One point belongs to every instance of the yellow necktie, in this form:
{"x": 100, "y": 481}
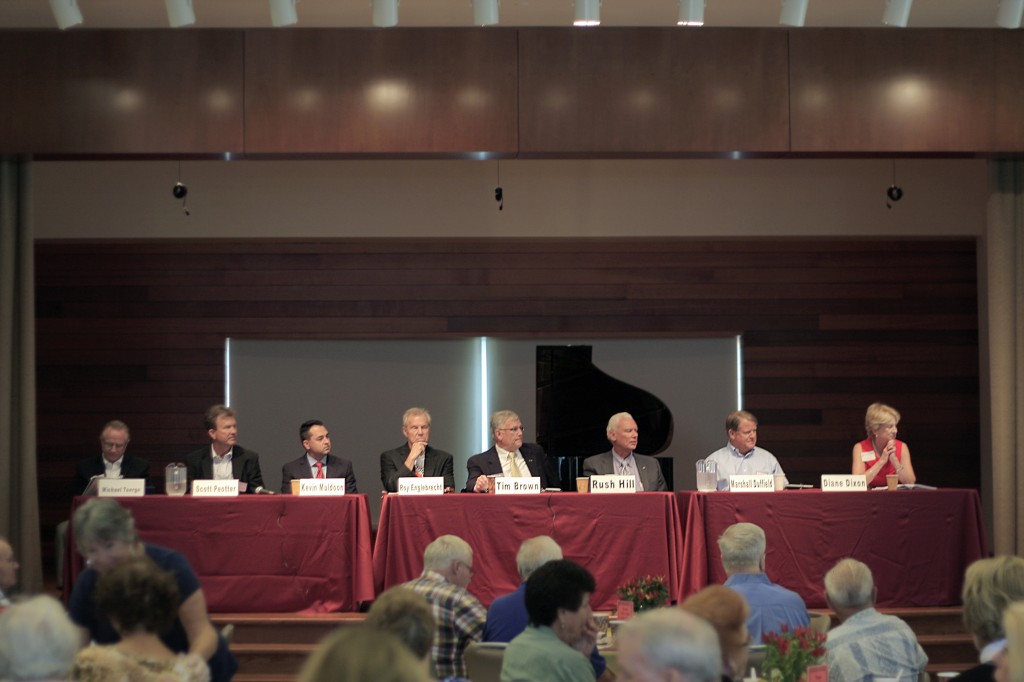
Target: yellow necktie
{"x": 513, "y": 468}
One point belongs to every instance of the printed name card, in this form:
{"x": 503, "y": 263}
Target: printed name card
{"x": 624, "y": 609}
{"x": 834, "y": 482}
{"x": 121, "y": 487}
{"x": 211, "y": 488}
{"x": 752, "y": 483}
{"x": 428, "y": 485}
{"x": 612, "y": 483}
{"x": 817, "y": 673}
{"x": 322, "y": 487}
{"x": 508, "y": 485}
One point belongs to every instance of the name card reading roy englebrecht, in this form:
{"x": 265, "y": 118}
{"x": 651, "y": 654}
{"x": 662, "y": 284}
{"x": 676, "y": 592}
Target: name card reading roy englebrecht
{"x": 509, "y": 485}
{"x": 121, "y": 487}
{"x": 428, "y": 485}
{"x": 837, "y": 482}
{"x": 752, "y": 483}
{"x": 612, "y": 483}
{"x": 213, "y": 488}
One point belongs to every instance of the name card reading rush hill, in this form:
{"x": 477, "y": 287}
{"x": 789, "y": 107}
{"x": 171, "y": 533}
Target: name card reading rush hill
{"x": 121, "y": 487}
{"x": 752, "y": 483}
{"x": 508, "y": 485}
{"x": 428, "y": 485}
{"x": 612, "y": 483}
{"x": 322, "y": 487}
{"x": 834, "y": 482}
{"x": 211, "y": 488}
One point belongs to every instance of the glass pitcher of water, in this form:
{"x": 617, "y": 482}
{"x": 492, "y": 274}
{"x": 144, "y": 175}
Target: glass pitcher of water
{"x": 175, "y": 480}
{"x": 707, "y": 476}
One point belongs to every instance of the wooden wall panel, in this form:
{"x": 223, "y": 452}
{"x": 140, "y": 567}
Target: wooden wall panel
{"x": 121, "y": 92}
{"x": 828, "y": 327}
{"x": 403, "y": 91}
{"x": 652, "y": 91}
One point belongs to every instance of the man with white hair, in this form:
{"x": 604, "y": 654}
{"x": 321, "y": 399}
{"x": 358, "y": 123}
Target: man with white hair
{"x": 38, "y": 641}
{"x": 447, "y": 570}
{"x": 623, "y": 433}
{"x": 9, "y": 572}
{"x": 743, "y": 547}
{"x": 668, "y": 645}
{"x": 867, "y": 644}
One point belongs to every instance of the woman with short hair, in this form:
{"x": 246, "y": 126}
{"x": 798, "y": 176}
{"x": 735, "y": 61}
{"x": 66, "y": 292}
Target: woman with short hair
{"x": 880, "y": 454}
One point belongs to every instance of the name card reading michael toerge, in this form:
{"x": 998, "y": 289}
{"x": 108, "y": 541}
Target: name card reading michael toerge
{"x": 612, "y": 483}
{"x": 321, "y": 487}
{"x": 120, "y": 487}
{"x": 212, "y": 488}
{"x": 752, "y": 483}
{"x": 428, "y": 485}
{"x": 836, "y": 482}
{"x": 509, "y": 485}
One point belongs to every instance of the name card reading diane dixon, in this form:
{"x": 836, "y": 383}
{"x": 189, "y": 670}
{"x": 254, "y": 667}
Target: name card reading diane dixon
{"x": 612, "y": 483}
{"x": 836, "y": 482}
{"x": 752, "y": 483}
{"x": 121, "y": 487}
{"x": 508, "y": 485}
{"x": 212, "y": 488}
{"x": 428, "y": 485}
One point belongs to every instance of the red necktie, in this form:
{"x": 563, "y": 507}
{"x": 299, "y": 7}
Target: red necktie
{"x": 319, "y": 470}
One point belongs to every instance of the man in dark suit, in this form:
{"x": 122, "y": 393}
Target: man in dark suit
{"x": 318, "y": 462}
{"x": 416, "y": 457}
{"x": 113, "y": 460}
{"x": 509, "y": 456}
{"x": 622, "y": 433}
{"x": 225, "y": 459}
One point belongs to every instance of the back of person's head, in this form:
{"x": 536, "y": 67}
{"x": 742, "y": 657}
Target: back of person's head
{"x": 138, "y": 596}
{"x": 673, "y": 640}
{"x": 440, "y": 553}
{"x": 742, "y": 545}
{"x": 536, "y": 552}
{"x": 850, "y": 585}
{"x": 990, "y": 585}
{"x": 360, "y": 653}
{"x": 1013, "y": 625}
{"x": 37, "y": 640}
{"x": 407, "y": 615}
{"x": 102, "y": 519}
{"x": 726, "y": 610}
{"x": 558, "y": 584}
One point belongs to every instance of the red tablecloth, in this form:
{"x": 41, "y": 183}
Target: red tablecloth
{"x": 616, "y": 537}
{"x": 274, "y": 554}
{"x": 917, "y": 542}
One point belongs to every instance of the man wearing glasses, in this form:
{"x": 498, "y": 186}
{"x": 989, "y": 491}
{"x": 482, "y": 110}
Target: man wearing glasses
{"x": 113, "y": 461}
{"x": 509, "y": 456}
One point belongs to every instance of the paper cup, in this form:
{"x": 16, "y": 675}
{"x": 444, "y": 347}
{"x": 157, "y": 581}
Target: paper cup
{"x": 295, "y": 486}
{"x": 780, "y": 481}
{"x": 583, "y": 484}
{"x": 891, "y": 481}
{"x": 490, "y": 482}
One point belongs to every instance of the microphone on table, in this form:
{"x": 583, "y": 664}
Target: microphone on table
{"x": 260, "y": 490}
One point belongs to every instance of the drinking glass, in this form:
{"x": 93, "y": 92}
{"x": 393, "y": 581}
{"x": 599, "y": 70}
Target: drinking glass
{"x": 707, "y": 476}
{"x": 175, "y": 480}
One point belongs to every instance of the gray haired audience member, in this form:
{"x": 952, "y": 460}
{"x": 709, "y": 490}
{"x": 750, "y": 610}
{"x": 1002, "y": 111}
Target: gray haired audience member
{"x": 668, "y": 645}
{"x": 8, "y": 572}
{"x": 990, "y": 585}
{"x": 406, "y": 615}
{"x": 37, "y": 641}
{"x": 867, "y": 644}
{"x": 506, "y": 616}
{"x": 1010, "y": 662}
{"x": 362, "y": 654}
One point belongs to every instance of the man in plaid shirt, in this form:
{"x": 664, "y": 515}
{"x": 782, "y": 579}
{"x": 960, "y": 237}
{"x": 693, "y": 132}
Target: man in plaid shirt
{"x": 447, "y": 570}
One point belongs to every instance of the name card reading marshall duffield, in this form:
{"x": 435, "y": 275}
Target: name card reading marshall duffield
{"x": 836, "y": 482}
{"x": 612, "y": 483}
{"x": 752, "y": 483}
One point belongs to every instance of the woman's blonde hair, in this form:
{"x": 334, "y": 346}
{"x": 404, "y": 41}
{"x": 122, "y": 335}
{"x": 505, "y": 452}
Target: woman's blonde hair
{"x": 878, "y": 415}
{"x": 360, "y": 653}
{"x": 990, "y": 585}
{"x": 727, "y": 612}
{"x": 1013, "y": 624}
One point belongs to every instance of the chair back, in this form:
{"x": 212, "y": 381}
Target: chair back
{"x": 820, "y": 622}
{"x": 483, "y": 661}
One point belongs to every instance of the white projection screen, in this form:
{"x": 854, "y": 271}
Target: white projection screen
{"x": 360, "y": 389}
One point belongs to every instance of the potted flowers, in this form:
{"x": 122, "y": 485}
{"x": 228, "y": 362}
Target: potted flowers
{"x": 645, "y": 591}
{"x": 789, "y": 653}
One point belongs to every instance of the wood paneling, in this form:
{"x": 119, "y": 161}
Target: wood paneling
{"x": 121, "y": 92}
{"x": 652, "y": 91}
{"x": 404, "y": 91}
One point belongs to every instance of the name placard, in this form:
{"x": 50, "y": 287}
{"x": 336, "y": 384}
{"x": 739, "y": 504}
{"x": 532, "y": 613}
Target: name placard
{"x": 612, "y": 483}
{"x": 212, "y": 488}
{"x": 834, "y": 482}
{"x": 508, "y": 485}
{"x": 322, "y": 487}
{"x": 752, "y": 483}
{"x": 120, "y": 487}
{"x": 428, "y": 485}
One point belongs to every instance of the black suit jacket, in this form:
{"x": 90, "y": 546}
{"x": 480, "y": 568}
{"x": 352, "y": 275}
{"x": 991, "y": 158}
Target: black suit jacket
{"x": 487, "y": 463}
{"x": 131, "y": 467}
{"x": 435, "y": 463}
{"x": 337, "y": 467}
{"x": 648, "y": 468}
{"x": 245, "y": 466}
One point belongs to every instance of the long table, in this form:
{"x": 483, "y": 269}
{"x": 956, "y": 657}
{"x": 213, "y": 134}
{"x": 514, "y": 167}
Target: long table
{"x": 257, "y": 553}
{"x": 917, "y": 542}
{"x": 617, "y": 537}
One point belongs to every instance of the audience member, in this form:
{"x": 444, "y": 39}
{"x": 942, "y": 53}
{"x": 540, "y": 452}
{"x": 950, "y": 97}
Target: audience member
{"x": 561, "y": 634}
{"x": 318, "y": 462}
{"x": 727, "y": 612}
{"x": 1010, "y": 662}
{"x": 113, "y": 460}
{"x": 447, "y": 570}
{"x": 509, "y": 456}
{"x": 106, "y": 537}
{"x": 622, "y": 432}
{"x": 867, "y": 644}
{"x": 8, "y": 572}
{"x": 880, "y": 454}
{"x": 416, "y": 457}
{"x": 38, "y": 641}
{"x": 668, "y": 645}
{"x": 224, "y": 459}
{"x": 408, "y": 616}
{"x": 362, "y": 654}
{"x": 744, "y": 548}
{"x": 990, "y": 585}
{"x": 140, "y": 602}
{"x": 741, "y": 455}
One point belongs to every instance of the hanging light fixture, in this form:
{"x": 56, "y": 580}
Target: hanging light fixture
{"x": 180, "y": 13}
{"x": 66, "y": 13}
{"x": 897, "y": 13}
{"x": 794, "y": 12}
{"x": 1010, "y": 13}
{"x": 691, "y": 13}
{"x": 485, "y": 12}
{"x": 588, "y": 12}
{"x": 385, "y": 13}
{"x": 282, "y": 13}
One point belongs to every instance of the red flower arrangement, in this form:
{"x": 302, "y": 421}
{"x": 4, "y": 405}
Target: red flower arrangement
{"x": 645, "y": 592}
{"x": 788, "y": 653}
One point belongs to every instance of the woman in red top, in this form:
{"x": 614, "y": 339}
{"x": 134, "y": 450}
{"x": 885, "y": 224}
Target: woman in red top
{"x": 880, "y": 453}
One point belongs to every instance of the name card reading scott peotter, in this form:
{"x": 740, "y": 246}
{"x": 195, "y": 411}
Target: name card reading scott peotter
{"x": 212, "y": 488}
{"x": 752, "y": 483}
{"x": 508, "y": 485}
{"x": 834, "y": 482}
{"x": 612, "y": 483}
{"x": 120, "y": 487}
{"x": 428, "y": 485}
{"x": 322, "y": 487}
